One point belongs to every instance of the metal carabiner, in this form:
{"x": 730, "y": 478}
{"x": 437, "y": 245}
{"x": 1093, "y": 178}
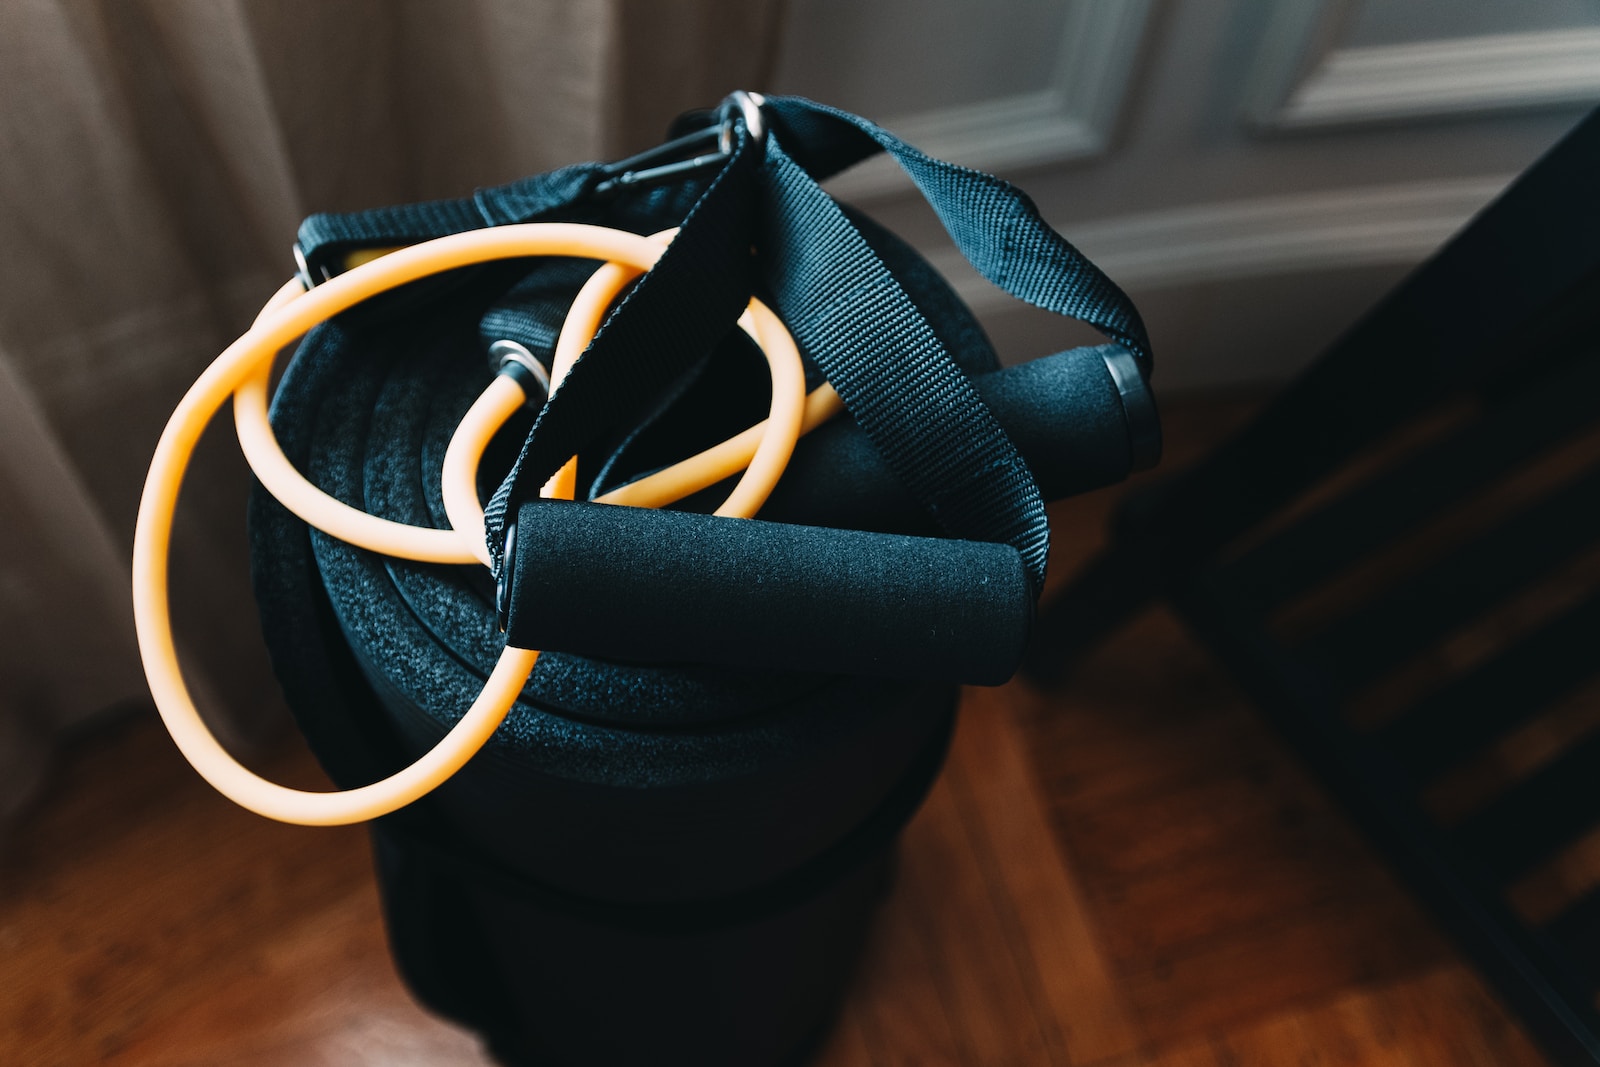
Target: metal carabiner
{"x": 637, "y": 170}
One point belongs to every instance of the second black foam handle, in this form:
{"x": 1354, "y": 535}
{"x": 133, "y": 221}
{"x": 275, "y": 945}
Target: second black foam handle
{"x": 638, "y": 584}
{"x": 1082, "y": 419}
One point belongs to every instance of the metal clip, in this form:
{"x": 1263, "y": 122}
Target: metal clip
{"x": 513, "y": 359}
{"x": 302, "y": 270}
{"x": 502, "y": 581}
{"x": 646, "y": 169}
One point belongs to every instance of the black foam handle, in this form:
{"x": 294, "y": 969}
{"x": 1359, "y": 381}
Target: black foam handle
{"x": 1082, "y": 419}
{"x": 639, "y": 584}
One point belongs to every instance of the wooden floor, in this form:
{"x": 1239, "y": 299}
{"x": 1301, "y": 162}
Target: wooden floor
{"x": 1131, "y": 870}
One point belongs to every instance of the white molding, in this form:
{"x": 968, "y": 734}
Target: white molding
{"x": 1287, "y": 50}
{"x": 1370, "y": 226}
{"x": 1303, "y": 79}
{"x": 1471, "y": 74}
{"x": 1070, "y": 118}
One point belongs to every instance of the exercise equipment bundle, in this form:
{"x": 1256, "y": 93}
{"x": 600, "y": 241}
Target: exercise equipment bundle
{"x": 664, "y": 843}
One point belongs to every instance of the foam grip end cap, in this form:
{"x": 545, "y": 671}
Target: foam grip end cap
{"x": 668, "y": 586}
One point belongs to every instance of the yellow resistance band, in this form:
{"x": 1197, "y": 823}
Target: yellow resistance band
{"x": 464, "y": 541}
{"x": 286, "y": 318}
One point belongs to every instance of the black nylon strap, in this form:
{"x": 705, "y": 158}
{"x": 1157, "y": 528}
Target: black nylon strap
{"x": 996, "y": 226}
{"x": 324, "y": 239}
{"x": 673, "y": 316}
{"x": 894, "y": 375}
{"x": 843, "y": 306}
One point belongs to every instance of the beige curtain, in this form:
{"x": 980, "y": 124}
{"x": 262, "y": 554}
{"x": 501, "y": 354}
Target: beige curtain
{"x": 155, "y": 159}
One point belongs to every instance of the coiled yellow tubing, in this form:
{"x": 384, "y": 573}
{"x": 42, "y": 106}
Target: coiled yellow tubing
{"x": 244, "y": 370}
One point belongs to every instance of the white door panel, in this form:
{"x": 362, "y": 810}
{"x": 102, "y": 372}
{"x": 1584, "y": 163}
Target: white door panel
{"x": 1239, "y": 166}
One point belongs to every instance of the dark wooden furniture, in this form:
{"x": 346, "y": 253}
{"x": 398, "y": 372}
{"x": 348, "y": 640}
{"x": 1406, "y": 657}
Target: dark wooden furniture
{"x": 1399, "y": 559}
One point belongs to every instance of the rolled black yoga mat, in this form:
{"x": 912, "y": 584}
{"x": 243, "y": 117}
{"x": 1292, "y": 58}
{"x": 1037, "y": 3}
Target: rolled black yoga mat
{"x": 650, "y": 862}
{"x": 679, "y": 869}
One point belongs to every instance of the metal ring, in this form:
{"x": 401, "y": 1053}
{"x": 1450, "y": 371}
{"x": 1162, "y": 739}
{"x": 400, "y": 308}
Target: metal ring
{"x": 506, "y": 351}
{"x": 749, "y": 107}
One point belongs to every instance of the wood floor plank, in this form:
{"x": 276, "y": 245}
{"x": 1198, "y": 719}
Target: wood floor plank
{"x": 1363, "y": 1023}
{"x": 976, "y": 967}
{"x": 1224, "y": 883}
{"x": 1356, "y": 1030}
{"x": 1462, "y": 1022}
{"x": 1258, "y": 970}
{"x": 1194, "y": 1054}
{"x": 1267, "y": 808}
{"x": 123, "y": 906}
{"x": 1050, "y": 929}
{"x": 1324, "y": 1037}
{"x": 1205, "y": 895}
{"x": 324, "y": 995}
{"x": 897, "y": 995}
{"x": 1441, "y": 1018}
{"x": 850, "y": 1043}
